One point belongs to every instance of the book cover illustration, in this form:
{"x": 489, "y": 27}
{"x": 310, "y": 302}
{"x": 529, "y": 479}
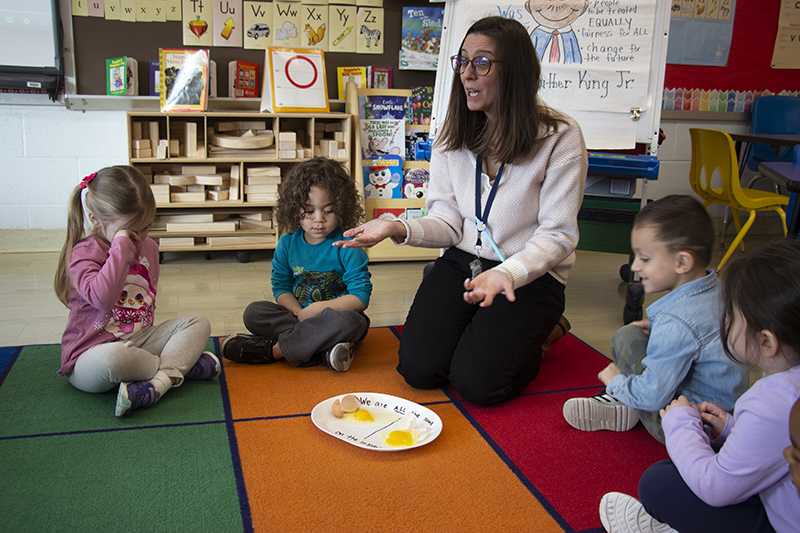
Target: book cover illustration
{"x": 422, "y": 37}
{"x": 184, "y": 78}
{"x": 154, "y": 77}
{"x": 122, "y": 74}
{"x": 418, "y": 145}
{"x": 243, "y": 79}
{"x": 380, "y": 77}
{"x": 415, "y": 183}
{"x": 382, "y": 137}
{"x": 383, "y": 176}
{"x": 421, "y": 105}
{"x": 388, "y": 214}
{"x": 378, "y": 106}
{"x": 358, "y": 75}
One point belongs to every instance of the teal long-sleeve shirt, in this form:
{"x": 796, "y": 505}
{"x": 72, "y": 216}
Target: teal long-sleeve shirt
{"x": 319, "y": 272}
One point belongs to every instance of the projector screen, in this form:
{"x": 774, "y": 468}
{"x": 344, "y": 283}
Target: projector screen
{"x": 30, "y": 47}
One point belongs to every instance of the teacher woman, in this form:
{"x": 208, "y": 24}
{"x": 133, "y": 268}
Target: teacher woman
{"x": 506, "y": 181}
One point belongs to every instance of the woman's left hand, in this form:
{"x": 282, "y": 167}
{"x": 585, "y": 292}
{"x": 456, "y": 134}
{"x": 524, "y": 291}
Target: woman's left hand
{"x": 486, "y": 286}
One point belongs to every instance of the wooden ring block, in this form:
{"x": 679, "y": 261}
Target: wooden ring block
{"x": 261, "y": 140}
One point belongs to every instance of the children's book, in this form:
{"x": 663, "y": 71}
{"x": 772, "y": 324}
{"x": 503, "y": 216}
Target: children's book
{"x": 417, "y": 143}
{"x": 383, "y": 176}
{"x": 389, "y": 214}
{"x": 154, "y": 77}
{"x": 122, "y": 76}
{"x": 422, "y": 38}
{"x": 379, "y": 77}
{"x": 243, "y": 79}
{"x": 354, "y": 74}
{"x": 377, "y": 106}
{"x": 421, "y": 105}
{"x": 415, "y": 183}
{"x": 382, "y": 137}
{"x": 212, "y": 78}
{"x": 184, "y": 79}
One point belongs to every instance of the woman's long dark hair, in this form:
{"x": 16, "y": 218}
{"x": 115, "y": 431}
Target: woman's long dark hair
{"x": 517, "y": 114}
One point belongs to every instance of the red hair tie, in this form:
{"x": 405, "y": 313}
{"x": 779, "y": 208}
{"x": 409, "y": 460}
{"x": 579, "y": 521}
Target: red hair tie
{"x": 85, "y": 181}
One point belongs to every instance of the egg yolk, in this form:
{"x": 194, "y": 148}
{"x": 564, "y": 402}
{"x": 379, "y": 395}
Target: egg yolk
{"x": 399, "y": 438}
{"x": 363, "y": 415}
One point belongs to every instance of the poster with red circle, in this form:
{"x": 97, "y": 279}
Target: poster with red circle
{"x": 294, "y": 81}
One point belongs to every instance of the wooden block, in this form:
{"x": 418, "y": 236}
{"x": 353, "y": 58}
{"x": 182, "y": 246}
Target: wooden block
{"x": 319, "y": 126}
{"x": 190, "y": 138}
{"x": 138, "y": 144}
{"x": 214, "y": 180}
{"x": 195, "y": 188}
{"x": 200, "y": 153}
{"x": 263, "y": 180}
{"x": 187, "y": 197}
{"x": 218, "y": 195}
{"x": 160, "y": 189}
{"x": 338, "y": 136}
{"x": 198, "y": 169}
{"x": 161, "y": 150}
{"x": 255, "y": 224}
{"x": 174, "y": 148}
{"x": 136, "y": 130}
{"x": 287, "y": 136}
{"x": 189, "y": 219}
{"x": 307, "y": 153}
{"x": 207, "y": 227}
{"x": 234, "y": 189}
{"x": 261, "y": 198}
{"x": 341, "y": 153}
{"x": 242, "y": 125}
{"x": 261, "y": 216}
{"x": 153, "y": 135}
{"x": 263, "y": 171}
{"x": 287, "y": 154}
{"x": 317, "y": 151}
{"x": 176, "y": 241}
{"x": 248, "y": 189}
{"x": 162, "y": 198}
{"x": 287, "y": 145}
{"x": 241, "y": 241}
{"x": 178, "y": 180}
{"x": 146, "y": 170}
{"x": 333, "y": 126}
{"x": 141, "y": 154}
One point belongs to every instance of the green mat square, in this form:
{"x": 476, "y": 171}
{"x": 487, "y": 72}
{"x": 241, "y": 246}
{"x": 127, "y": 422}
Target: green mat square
{"x": 34, "y": 400}
{"x": 156, "y": 479}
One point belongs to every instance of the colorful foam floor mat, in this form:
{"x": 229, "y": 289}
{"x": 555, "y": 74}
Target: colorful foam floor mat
{"x": 240, "y": 453}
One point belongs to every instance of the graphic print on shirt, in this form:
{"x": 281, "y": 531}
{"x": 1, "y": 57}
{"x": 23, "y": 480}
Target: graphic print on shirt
{"x": 133, "y": 312}
{"x": 317, "y": 286}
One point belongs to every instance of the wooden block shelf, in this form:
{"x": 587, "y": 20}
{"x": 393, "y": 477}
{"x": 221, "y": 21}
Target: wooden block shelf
{"x": 182, "y": 146}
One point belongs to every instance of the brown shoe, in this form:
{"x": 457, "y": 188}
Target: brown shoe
{"x": 561, "y": 328}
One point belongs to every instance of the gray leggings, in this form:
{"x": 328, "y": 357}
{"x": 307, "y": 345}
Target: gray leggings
{"x": 628, "y": 348}
{"x": 172, "y": 347}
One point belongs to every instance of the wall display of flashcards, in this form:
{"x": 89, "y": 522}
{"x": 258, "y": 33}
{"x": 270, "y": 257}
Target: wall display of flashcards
{"x": 294, "y": 81}
{"x": 198, "y": 22}
{"x": 342, "y": 20}
{"x": 127, "y": 10}
{"x": 144, "y": 10}
{"x": 370, "y": 30}
{"x": 258, "y": 28}
{"x": 174, "y": 12}
{"x": 286, "y": 19}
{"x": 111, "y": 9}
{"x": 95, "y": 9}
{"x": 315, "y": 26}
{"x": 227, "y": 20}
{"x": 159, "y": 11}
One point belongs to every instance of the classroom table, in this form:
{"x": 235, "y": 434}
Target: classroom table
{"x": 787, "y": 175}
{"x": 772, "y": 139}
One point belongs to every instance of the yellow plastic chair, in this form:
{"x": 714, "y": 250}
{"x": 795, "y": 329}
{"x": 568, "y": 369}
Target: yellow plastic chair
{"x": 713, "y": 151}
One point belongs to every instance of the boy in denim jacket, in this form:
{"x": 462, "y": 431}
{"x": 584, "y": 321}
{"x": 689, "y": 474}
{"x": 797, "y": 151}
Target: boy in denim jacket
{"x": 677, "y": 351}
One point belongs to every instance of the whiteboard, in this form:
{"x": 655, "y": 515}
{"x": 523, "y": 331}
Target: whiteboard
{"x": 613, "y": 86}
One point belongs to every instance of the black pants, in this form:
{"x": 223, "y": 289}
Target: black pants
{"x": 489, "y": 354}
{"x": 667, "y": 498}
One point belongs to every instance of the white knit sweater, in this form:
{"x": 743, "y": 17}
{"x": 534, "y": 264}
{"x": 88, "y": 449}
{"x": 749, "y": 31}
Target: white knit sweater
{"x": 534, "y": 217}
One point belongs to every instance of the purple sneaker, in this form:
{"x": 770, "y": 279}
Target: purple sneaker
{"x": 135, "y": 395}
{"x": 207, "y": 367}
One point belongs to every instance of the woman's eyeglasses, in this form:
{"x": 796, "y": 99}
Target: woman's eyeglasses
{"x": 480, "y": 65}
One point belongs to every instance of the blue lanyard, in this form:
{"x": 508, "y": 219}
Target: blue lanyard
{"x": 480, "y": 221}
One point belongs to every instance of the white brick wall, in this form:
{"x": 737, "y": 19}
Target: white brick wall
{"x": 44, "y": 152}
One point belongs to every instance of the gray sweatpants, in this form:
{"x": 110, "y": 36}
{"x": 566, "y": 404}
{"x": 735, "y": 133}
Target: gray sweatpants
{"x": 302, "y": 342}
{"x": 173, "y": 347}
{"x": 628, "y": 348}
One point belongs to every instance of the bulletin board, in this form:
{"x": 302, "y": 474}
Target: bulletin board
{"x": 608, "y": 73}
{"x": 97, "y": 39}
{"x": 754, "y": 27}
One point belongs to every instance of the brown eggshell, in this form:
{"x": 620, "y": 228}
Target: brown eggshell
{"x": 350, "y": 403}
{"x": 337, "y": 409}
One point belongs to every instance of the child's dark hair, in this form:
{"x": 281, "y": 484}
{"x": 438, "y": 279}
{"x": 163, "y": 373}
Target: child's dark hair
{"x": 327, "y": 175}
{"x": 113, "y": 193}
{"x": 681, "y": 223}
{"x": 764, "y": 287}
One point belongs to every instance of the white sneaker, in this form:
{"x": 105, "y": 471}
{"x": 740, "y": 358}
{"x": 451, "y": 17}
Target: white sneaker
{"x": 621, "y": 513}
{"x": 599, "y": 412}
{"x": 339, "y": 357}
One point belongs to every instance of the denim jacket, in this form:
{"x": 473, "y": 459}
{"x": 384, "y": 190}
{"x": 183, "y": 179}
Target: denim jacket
{"x": 684, "y": 353}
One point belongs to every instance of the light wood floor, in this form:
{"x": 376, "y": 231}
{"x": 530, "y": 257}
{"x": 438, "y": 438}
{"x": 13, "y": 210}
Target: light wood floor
{"x": 220, "y": 288}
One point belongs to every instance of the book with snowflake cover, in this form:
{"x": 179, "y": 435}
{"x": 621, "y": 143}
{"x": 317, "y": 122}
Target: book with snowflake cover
{"x": 378, "y": 106}
{"x": 183, "y": 75}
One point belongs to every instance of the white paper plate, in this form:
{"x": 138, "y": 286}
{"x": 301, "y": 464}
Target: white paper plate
{"x": 387, "y": 412}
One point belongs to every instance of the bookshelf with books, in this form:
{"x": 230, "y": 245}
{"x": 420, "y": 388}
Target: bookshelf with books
{"x": 215, "y": 175}
{"x": 377, "y": 205}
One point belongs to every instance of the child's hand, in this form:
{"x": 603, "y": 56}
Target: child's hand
{"x": 680, "y": 401}
{"x": 644, "y": 324}
{"x": 132, "y": 235}
{"x": 713, "y": 417}
{"x": 609, "y": 373}
{"x": 311, "y": 311}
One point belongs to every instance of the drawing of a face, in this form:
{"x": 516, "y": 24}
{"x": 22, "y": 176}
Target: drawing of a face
{"x": 133, "y": 312}
{"x": 556, "y": 14}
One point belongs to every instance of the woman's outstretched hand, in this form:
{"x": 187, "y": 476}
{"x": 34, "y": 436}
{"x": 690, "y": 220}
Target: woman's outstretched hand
{"x": 485, "y": 287}
{"x": 371, "y": 233}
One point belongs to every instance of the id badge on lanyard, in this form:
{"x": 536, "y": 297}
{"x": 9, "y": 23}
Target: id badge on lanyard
{"x": 480, "y": 219}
